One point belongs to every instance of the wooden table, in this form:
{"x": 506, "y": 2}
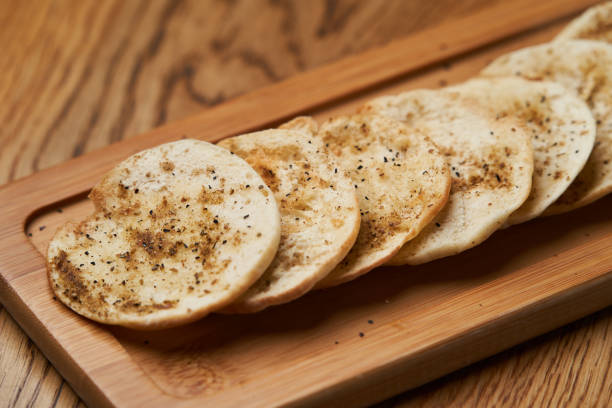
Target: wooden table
{"x": 78, "y": 75}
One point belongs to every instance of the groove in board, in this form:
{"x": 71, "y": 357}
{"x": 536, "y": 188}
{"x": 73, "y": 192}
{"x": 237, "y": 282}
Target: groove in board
{"x": 426, "y": 320}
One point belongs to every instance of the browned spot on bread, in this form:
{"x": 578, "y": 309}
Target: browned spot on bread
{"x": 266, "y": 174}
{"x": 167, "y": 166}
{"x": 96, "y": 196}
{"x": 121, "y": 190}
{"x": 603, "y": 29}
{"x": 492, "y": 173}
{"x": 208, "y": 196}
{"x": 295, "y": 259}
{"x": 153, "y": 243}
{"x": 69, "y": 274}
{"x": 134, "y": 306}
{"x": 337, "y": 222}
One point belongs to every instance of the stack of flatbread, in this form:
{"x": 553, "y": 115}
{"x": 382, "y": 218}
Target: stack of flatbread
{"x": 189, "y": 228}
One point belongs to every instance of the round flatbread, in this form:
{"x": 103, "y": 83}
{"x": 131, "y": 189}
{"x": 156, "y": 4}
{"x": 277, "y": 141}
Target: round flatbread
{"x": 594, "y": 24}
{"x": 560, "y": 124}
{"x": 401, "y": 181}
{"x": 180, "y": 230}
{"x": 319, "y": 213}
{"x": 583, "y": 67}
{"x": 491, "y": 164}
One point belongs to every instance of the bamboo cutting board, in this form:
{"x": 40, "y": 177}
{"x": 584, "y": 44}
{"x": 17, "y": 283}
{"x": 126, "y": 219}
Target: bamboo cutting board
{"x": 394, "y": 329}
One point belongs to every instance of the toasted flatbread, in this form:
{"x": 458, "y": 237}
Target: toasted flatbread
{"x": 594, "y": 24}
{"x": 560, "y": 124}
{"x": 400, "y": 178}
{"x": 583, "y": 67}
{"x": 491, "y": 164}
{"x": 319, "y": 213}
{"x": 180, "y": 230}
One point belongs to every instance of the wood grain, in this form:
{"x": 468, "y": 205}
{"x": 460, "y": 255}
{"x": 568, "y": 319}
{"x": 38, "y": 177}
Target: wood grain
{"x": 92, "y": 73}
{"x": 566, "y": 367}
{"x": 113, "y": 70}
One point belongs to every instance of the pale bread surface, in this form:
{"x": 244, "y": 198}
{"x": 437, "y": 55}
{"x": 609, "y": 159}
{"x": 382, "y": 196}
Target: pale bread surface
{"x": 401, "y": 181}
{"x": 491, "y": 163}
{"x": 560, "y": 124}
{"x": 319, "y": 213}
{"x": 180, "y": 230}
{"x": 594, "y": 24}
{"x": 583, "y": 67}
{"x": 304, "y": 124}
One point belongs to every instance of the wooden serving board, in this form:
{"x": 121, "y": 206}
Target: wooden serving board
{"x": 393, "y": 329}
